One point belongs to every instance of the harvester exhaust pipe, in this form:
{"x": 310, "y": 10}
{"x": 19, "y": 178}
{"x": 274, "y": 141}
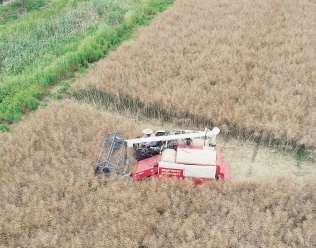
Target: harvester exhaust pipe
{"x": 215, "y": 132}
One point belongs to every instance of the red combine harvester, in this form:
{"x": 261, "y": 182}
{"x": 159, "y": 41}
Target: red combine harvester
{"x": 184, "y": 154}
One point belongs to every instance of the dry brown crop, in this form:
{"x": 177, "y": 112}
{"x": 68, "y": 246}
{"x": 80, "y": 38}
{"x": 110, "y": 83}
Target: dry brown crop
{"x": 247, "y": 65}
{"x": 51, "y": 198}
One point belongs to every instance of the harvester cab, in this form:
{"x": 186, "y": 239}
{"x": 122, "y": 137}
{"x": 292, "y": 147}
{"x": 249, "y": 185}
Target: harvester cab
{"x": 182, "y": 154}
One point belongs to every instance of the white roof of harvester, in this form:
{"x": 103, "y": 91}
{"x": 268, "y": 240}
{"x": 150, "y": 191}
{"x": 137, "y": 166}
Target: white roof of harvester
{"x": 194, "y": 156}
{"x": 207, "y": 156}
{"x": 193, "y": 162}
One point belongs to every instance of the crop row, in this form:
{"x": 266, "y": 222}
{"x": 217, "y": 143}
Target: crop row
{"x": 218, "y": 64}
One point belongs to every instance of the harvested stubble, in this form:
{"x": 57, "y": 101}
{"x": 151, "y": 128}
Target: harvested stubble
{"x": 50, "y": 197}
{"x": 246, "y": 65}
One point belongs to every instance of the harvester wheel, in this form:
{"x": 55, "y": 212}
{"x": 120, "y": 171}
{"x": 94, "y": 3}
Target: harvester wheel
{"x": 98, "y": 171}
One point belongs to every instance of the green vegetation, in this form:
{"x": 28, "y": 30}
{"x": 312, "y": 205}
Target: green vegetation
{"x": 5, "y": 128}
{"x": 56, "y": 38}
{"x": 19, "y": 8}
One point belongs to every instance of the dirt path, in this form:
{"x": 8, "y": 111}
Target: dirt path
{"x": 250, "y": 161}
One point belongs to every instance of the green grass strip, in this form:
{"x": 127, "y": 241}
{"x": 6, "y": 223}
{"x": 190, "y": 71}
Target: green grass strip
{"x": 22, "y": 92}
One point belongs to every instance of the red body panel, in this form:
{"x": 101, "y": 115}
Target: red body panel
{"x": 146, "y": 167}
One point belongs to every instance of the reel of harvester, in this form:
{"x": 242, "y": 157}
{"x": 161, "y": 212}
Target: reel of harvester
{"x": 112, "y": 157}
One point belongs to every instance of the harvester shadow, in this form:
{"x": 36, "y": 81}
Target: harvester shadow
{"x": 254, "y": 154}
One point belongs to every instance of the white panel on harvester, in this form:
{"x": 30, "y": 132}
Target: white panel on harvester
{"x": 200, "y": 171}
{"x": 198, "y": 157}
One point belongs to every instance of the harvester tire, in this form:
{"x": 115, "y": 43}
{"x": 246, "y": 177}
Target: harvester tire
{"x": 97, "y": 171}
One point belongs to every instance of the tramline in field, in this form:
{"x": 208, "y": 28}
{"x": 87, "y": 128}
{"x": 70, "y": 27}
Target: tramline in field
{"x": 183, "y": 154}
